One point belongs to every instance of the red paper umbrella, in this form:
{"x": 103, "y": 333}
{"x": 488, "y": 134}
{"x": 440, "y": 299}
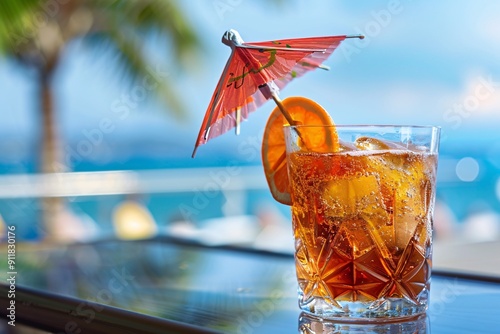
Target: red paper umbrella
{"x": 255, "y": 72}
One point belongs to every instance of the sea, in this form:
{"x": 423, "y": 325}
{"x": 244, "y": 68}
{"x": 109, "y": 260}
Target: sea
{"x": 468, "y": 184}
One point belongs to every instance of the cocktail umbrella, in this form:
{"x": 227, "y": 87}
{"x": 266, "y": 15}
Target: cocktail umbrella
{"x": 255, "y": 72}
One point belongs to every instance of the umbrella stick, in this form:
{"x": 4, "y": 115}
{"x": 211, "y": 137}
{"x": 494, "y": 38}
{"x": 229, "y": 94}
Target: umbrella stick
{"x": 282, "y": 108}
{"x": 238, "y": 120}
{"x": 355, "y": 36}
{"x": 285, "y": 113}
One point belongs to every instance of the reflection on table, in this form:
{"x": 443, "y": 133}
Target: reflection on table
{"x": 220, "y": 288}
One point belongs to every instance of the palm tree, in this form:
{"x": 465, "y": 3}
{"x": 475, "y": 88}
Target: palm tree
{"x": 36, "y": 32}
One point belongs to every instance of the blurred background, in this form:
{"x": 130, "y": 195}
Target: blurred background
{"x": 108, "y": 97}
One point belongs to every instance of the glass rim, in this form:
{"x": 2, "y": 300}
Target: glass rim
{"x": 386, "y": 126}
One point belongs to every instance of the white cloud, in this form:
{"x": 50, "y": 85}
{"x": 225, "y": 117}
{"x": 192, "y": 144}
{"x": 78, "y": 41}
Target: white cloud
{"x": 478, "y": 100}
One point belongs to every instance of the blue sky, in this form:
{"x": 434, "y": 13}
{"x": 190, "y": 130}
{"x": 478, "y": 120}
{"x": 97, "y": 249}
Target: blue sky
{"x": 422, "y": 62}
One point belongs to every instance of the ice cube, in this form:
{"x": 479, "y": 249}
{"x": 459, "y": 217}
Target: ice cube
{"x": 349, "y": 196}
{"x": 359, "y": 199}
{"x": 413, "y": 194}
{"x": 347, "y": 146}
{"x": 374, "y": 144}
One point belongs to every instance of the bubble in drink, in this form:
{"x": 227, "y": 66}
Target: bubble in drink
{"x": 362, "y": 223}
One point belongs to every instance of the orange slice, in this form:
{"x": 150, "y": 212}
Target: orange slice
{"x": 304, "y": 112}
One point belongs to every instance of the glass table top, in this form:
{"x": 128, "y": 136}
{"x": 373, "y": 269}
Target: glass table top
{"x": 165, "y": 285}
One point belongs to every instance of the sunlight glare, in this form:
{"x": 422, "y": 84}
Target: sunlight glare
{"x": 467, "y": 169}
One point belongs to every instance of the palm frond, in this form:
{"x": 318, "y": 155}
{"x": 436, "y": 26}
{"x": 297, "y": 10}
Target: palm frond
{"x": 137, "y": 69}
{"x": 18, "y": 23}
{"x": 128, "y": 23}
{"x": 163, "y": 16}
{"x": 123, "y": 24}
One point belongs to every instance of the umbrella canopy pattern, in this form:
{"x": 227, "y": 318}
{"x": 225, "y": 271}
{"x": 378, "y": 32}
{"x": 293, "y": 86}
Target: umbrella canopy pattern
{"x": 255, "y": 72}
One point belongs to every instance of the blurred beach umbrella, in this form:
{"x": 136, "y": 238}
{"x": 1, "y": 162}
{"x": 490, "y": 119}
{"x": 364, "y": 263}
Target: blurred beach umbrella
{"x": 36, "y": 32}
{"x": 132, "y": 220}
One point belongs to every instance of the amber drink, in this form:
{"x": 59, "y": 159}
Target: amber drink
{"x": 362, "y": 218}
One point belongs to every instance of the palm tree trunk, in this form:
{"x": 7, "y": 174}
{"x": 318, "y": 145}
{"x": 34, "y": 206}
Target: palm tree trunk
{"x": 49, "y": 151}
{"x": 49, "y": 158}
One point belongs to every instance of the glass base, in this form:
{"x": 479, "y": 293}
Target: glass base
{"x": 309, "y": 324}
{"x": 382, "y": 310}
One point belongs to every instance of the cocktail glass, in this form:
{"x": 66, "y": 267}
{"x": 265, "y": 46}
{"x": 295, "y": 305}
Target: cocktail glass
{"x": 362, "y": 218}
